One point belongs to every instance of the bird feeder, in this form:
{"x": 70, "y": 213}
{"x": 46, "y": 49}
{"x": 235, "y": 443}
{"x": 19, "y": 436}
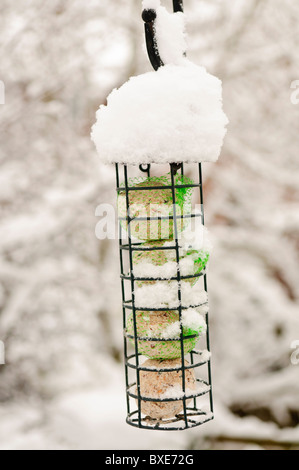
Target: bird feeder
{"x": 158, "y": 129}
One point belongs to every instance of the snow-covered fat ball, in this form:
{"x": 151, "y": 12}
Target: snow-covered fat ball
{"x": 153, "y": 204}
{"x": 165, "y": 326}
{"x": 165, "y": 385}
{"x": 172, "y": 115}
{"x": 162, "y": 264}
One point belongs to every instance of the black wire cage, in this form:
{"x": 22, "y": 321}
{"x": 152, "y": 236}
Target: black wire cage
{"x": 195, "y": 410}
{"x": 189, "y": 408}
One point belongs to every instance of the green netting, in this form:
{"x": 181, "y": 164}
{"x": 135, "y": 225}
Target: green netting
{"x": 155, "y": 325}
{"x": 155, "y": 203}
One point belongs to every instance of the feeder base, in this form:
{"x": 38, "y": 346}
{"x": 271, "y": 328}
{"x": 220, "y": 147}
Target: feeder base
{"x": 194, "y": 417}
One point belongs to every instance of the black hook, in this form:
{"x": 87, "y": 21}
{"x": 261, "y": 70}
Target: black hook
{"x": 145, "y": 168}
{"x": 178, "y": 6}
{"x": 175, "y": 167}
{"x": 149, "y": 16}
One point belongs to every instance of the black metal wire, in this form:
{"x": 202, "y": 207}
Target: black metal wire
{"x": 174, "y": 278}
{"x": 174, "y": 169}
{"x": 145, "y": 168}
{"x": 206, "y": 286}
{"x": 163, "y": 400}
{"x": 149, "y": 188}
{"x": 178, "y": 6}
{"x": 156, "y": 425}
{"x": 123, "y": 296}
{"x": 190, "y": 366}
{"x": 149, "y": 17}
{"x": 190, "y": 416}
{"x": 128, "y": 305}
{"x": 162, "y": 217}
{"x": 132, "y": 291}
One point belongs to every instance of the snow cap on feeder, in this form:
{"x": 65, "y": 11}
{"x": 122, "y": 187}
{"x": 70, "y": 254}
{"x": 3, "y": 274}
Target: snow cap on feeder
{"x": 171, "y": 115}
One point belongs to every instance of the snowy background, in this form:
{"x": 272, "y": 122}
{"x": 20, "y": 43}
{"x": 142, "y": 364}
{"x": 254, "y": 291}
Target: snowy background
{"x": 60, "y": 299}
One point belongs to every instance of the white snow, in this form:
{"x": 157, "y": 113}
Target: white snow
{"x": 172, "y": 115}
{"x": 170, "y": 36}
{"x": 176, "y": 391}
{"x": 165, "y": 295}
{"x": 197, "y": 238}
{"x": 189, "y": 240}
{"x": 191, "y": 320}
{"x": 150, "y": 4}
{"x": 167, "y": 270}
{"x": 82, "y": 419}
{"x": 205, "y": 355}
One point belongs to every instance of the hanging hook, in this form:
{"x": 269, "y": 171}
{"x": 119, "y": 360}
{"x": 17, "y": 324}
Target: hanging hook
{"x": 175, "y": 167}
{"x": 149, "y": 17}
{"x": 178, "y": 6}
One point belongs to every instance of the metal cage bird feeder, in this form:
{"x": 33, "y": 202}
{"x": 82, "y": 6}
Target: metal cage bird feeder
{"x": 193, "y": 414}
{"x": 193, "y": 407}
